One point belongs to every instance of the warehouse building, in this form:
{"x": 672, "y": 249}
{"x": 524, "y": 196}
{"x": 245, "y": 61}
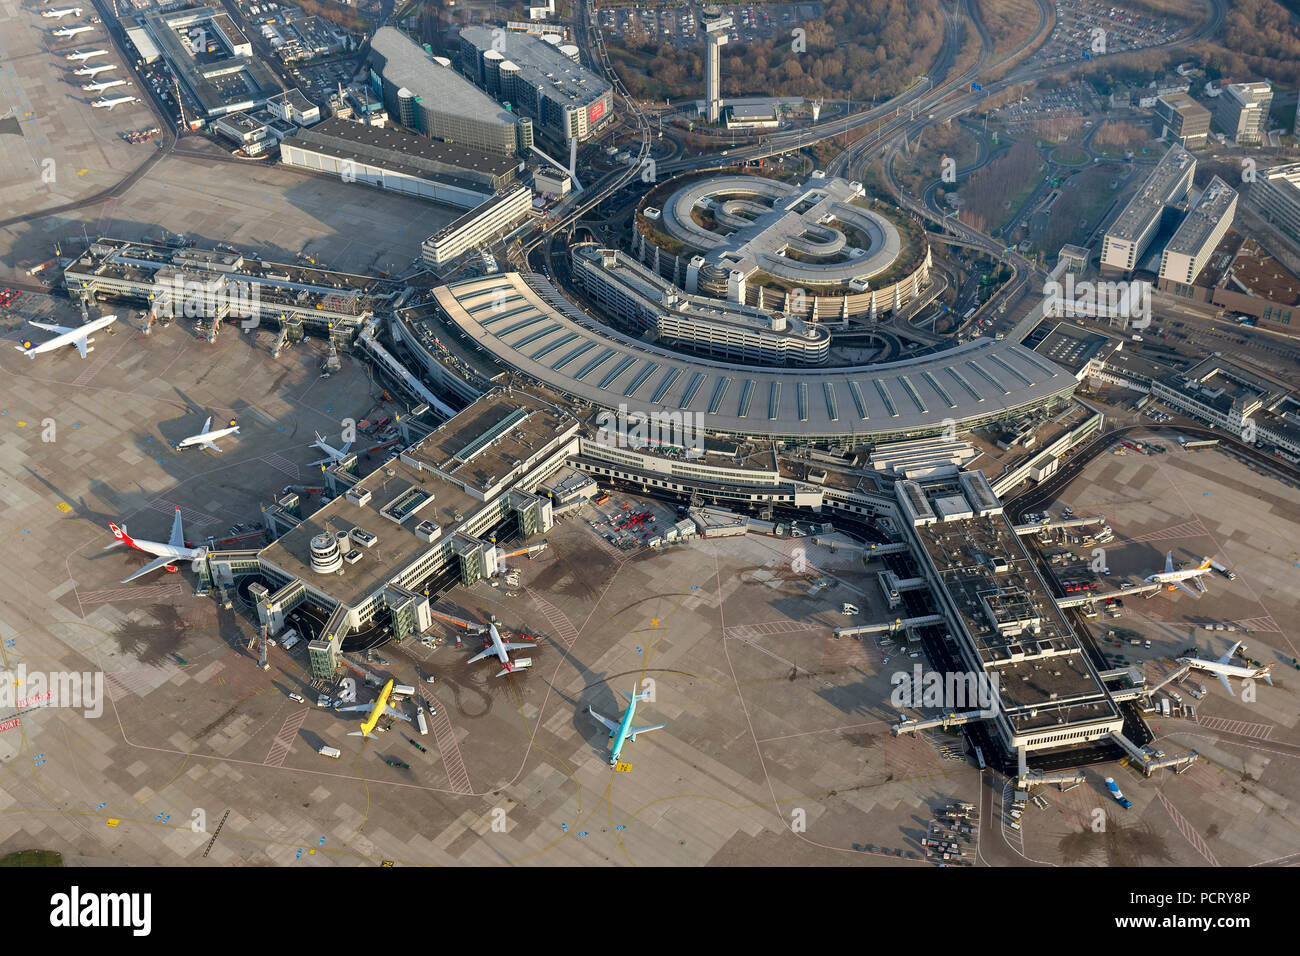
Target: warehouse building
{"x": 400, "y": 161}
{"x": 425, "y": 94}
{"x": 542, "y": 77}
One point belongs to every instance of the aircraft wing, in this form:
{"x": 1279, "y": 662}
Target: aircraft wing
{"x": 61, "y": 330}
{"x": 345, "y": 710}
{"x": 153, "y": 565}
{"x": 1180, "y": 584}
{"x": 1227, "y": 658}
{"x": 613, "y": 727}
{"x": 645, "y": 730}
{"x": 396, "y": 713}
{"x": 519, "y": 647}
{"x": 323, "y": 461}
{"x": 80, "y": 343}
{"x": 177, "y": 540}
{"x": 1169, "y": 562}
{"x": 211, "y": 445}
{"x": 486, "y": 652}
{"x": 1227, "y": 686}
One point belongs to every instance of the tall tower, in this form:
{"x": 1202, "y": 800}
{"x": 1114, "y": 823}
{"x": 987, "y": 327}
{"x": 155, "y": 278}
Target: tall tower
{"x": 716, "y": 30}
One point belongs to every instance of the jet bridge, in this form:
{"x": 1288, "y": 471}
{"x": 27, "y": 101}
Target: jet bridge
{"x": 946, "y": 721}
{"x": 1036, "y": 526}
{"x": 898, "y": 624}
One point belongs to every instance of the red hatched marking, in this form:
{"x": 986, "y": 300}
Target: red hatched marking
{"x": 282, "y": 464}
{"x": 1187, "y": 830}
{"x": 1188, "y": 529}
{"x": 744, "y": 632}
{"x": 130, "y": 594}
{"x": 845, "y": 651}
{"x": 1240, "y": 727}
{"x": 448, "y": 747}
{"x": 558, "y": 620}
{"x": 284, "y": 739}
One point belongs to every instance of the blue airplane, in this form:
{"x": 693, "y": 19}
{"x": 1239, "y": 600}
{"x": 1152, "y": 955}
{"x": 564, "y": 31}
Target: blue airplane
{"x": 624, "y": 730}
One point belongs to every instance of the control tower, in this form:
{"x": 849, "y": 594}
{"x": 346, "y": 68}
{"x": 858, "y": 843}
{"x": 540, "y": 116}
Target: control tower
{"x": 717, "y": 26}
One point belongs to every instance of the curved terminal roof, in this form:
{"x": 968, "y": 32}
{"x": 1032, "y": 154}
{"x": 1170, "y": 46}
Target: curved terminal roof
{"x": 526, "y": 324}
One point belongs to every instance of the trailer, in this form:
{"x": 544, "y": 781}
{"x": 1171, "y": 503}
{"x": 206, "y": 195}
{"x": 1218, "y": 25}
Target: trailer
{"x": 421, "y": 724}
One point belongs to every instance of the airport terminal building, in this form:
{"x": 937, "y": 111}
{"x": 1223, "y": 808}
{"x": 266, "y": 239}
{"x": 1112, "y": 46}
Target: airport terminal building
{"x": 1008, "y": 627}
{"x": 524, "y": 324}
{"x": 427, "y": 517}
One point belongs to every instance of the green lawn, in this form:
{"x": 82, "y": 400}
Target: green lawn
{"x": 32, "y": 858}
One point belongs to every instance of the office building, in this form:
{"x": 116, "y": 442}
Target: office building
{"x": 1200, "y": 232}
{"x": 1242, "y": 112}
{"x": 1164, "y": 191}
{"x": 1276, "y": 193}
{"x": 1183, "y": 120}
{"x": 480, "y": 226}
{"x": 541, "y": 77}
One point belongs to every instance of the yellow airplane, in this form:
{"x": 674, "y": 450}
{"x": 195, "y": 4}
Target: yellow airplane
{"x": 377, "y": 710}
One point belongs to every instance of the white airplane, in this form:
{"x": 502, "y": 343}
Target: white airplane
{"x": 207, "y": 437}
{"x": 332, "y": 454}
{"x": 117, "y": 101}
{"x": 71, "y": 31}
{"x": 165, "y": 555}
{"x": 102, "y": 85}
{"x": 500, "y": 648}
{"x": 1175, "y": 579}
{"x": 80, "y": 337}
{"x": 93, "y": 71}
{"x": 1223, "y": 668}
{"x": 81, "y": 56}
{"x": 60, "y": 14}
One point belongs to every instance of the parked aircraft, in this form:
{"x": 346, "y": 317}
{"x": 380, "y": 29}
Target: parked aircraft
{"x": 80, "y": 337}
{"x": 623, "y": 731}
{"x": 165, "y": 555}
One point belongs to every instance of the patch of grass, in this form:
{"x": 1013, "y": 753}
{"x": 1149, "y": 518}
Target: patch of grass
{"x": 32, "y": 858}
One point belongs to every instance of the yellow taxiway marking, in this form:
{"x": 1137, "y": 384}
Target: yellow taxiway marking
{"x": 621, "y": 767}
{"x": 64, "y": 507}
{"x": 112, "y": 821}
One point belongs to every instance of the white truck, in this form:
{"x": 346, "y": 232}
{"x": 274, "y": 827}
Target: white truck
{"x": 1226, "y": 572}
{"x": 289, "y": 638}
{"x": 330, "y": 752}
{"x": 420, "y": 722}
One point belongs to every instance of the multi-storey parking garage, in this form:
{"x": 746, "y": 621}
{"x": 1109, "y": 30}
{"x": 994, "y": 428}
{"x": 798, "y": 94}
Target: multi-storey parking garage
{"x": 815, "y": 249}
{"x": 524, "y": 323}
